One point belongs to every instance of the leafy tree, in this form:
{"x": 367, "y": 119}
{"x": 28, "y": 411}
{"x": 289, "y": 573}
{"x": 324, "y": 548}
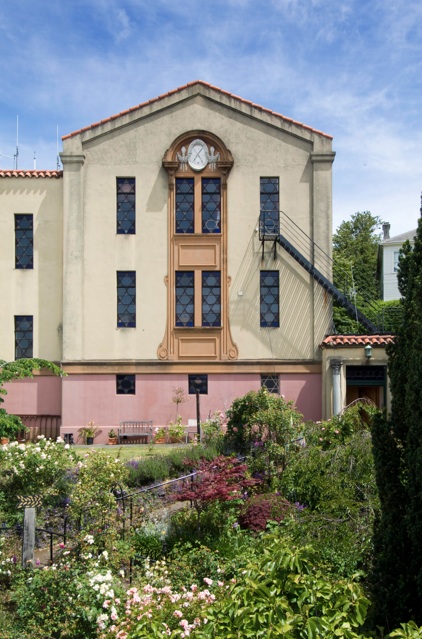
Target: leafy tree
{"x": 355, "y": 250}
{"x": 398, "y": 457}
{"x": 24, "y": 368}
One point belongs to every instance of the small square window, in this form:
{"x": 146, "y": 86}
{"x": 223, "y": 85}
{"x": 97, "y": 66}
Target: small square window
{"x": 271, "y": 383}
{"x": 125, "y": 385}
{"x": 198, "y": 383}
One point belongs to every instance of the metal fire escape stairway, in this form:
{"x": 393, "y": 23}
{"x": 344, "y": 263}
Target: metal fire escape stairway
{"x": 270, "y": 231}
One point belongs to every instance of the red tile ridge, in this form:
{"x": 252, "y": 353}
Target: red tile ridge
{"x": 204, "y": 84}
{"x": 331, "y": 341}
{"x": 16, "y": 173}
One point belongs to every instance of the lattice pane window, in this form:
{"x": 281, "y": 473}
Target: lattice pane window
{"x": 211, "y": 298}
{"x": 24, "y": 240}
{"x": 24, "y": 336}
{"x": 211, "y": 205}
{"x": 126, "y": 298}
{"x": 269, "y": 299}
{"x": 185, "y": 298}
{"x": 270, "y": 206}
{"x": 185, "y": 212}
{"x": 271, "y": 383}
{"x": 198, "y": 383}
{"x": 125, "y": 385}
{"x": 126, "y": 206}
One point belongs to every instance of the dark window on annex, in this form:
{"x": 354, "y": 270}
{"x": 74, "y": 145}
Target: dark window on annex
{"x": 24, "y": 336}
{"x": 125, "y": 385}
{"x": 24, "y": 240}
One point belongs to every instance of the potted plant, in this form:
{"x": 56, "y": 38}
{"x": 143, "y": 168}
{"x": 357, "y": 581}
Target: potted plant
{"x": 160, "y": 435}
{"x": 89, "y": 433}
{"x": 11, "y": 427}
{"x": 176, "y": 431}
{"x": 112, "y": 438}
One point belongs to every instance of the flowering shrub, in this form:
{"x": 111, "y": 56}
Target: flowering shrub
{"x": 68, "y": 598}
{"x": 213, "y": 430}
{"x": 151, "y": 611}
{"x": 260, "y": 509}
{"x": 34, "y": 469}
{"x": 339, "y": 429}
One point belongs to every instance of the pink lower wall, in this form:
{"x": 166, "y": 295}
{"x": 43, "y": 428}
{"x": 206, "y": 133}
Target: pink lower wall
{"x": 88, "y": 398}
{"x": 41, "y": 395}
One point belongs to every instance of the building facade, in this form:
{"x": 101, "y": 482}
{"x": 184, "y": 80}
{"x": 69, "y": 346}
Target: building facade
{"x": 150, "y": 263}
{"x": 388, "y": 261}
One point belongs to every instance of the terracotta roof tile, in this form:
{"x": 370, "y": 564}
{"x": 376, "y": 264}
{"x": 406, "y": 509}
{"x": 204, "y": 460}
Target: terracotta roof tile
{"x": 36, "y": 174}
{"x": 332, "y": 341}
{"x": 184, "y": 87}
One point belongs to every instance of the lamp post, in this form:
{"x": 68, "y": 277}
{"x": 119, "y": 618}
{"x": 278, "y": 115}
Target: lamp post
{"x": 197, "y": 384}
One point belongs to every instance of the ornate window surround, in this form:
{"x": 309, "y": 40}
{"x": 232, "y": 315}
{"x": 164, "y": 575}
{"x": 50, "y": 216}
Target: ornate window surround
{"x": 197, "y": 251}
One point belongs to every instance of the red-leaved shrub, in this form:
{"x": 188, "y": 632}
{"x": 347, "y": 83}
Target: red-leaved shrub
{"x": 260, "y": 509}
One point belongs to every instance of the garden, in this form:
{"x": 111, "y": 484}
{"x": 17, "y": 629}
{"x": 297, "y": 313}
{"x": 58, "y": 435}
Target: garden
{"x": 264, "y": 529}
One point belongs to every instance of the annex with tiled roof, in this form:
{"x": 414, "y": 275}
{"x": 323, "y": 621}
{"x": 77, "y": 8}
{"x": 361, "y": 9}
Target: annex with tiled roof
{"x": 338, "y": 341}
{"x": 200, "y": 85}
{"x": 31, "y": 174}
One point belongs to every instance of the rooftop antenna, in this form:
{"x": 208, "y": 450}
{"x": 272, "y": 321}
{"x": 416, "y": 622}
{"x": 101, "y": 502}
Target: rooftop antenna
{"x": 57, "y": 149}
{"x": 35, "y": 161}
{"x": 15, "y": 157}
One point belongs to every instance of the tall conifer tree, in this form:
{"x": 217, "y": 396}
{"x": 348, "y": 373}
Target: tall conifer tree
{"x": 397, "y": 442}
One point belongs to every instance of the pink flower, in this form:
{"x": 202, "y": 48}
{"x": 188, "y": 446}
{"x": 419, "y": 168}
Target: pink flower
{"x": 178, "y": 613}
{"x": 208, "y": 581}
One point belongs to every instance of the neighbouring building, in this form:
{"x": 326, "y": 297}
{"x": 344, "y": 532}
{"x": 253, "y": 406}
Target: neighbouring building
{"x": 388, "y": 261}
{"x": 186, "y": 244}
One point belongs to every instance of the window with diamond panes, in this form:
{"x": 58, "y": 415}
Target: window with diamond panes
{"x": 211, "y": 205}
{"x": 185, "y": 298}
{"x": 269, "y": 206}
{"x": 185, "y": 205}
{"x": 24, "y": 336}
{"x": 126, "y": 206}
{"x": 126, "y": 298}
{"x": 211, "y": 298}
{"x": 271, "y": 383}
{"x": 198, "y": 383}
{"x": 269, "y": 299}
{"x": 24, "y": 240}
{"x": 125, "y": 385}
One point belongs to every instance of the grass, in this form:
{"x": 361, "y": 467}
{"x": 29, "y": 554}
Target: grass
{"x": 130, "y": 451}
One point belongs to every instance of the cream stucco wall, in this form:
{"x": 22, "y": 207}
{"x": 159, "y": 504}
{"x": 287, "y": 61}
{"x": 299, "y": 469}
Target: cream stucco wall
{"x": 134, "y": 146}
{"x": 36, "y": 291}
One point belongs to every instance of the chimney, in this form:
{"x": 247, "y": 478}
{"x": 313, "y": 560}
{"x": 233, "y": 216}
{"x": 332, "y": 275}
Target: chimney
{"x": 386, "y": 230}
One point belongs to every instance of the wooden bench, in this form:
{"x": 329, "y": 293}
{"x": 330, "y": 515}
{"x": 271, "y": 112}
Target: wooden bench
{"x": 135, "y": 430}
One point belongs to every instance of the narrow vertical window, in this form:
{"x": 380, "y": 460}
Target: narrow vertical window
{"x": 269, "y": 299}
{"x": 185, "y": 207}
{"x": 396, "y": 256}
{"x": 126, "y": 298}
{"x": 185, "y": 298}
{"x": 211, "y": 298}
{"x": 24, "y": 336}
{"x": 24, "y": 241}
{"x": 269, "y": 206}
{"x": 211, "y": 205}
{"x": 126, "y": 206}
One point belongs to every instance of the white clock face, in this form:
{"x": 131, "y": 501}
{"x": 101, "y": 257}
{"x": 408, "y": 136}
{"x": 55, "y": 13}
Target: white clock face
{"x": 198, "y": 155}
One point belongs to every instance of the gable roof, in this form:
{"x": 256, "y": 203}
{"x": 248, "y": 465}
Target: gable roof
{"x": 200, "y": 86}
{"x": 399, "y": 239}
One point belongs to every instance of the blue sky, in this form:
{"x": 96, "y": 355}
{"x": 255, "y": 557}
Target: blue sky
{"x": 351, "y": 68}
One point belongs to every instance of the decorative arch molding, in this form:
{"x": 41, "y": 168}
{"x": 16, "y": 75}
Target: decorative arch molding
{"x": 197, "y": 156}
